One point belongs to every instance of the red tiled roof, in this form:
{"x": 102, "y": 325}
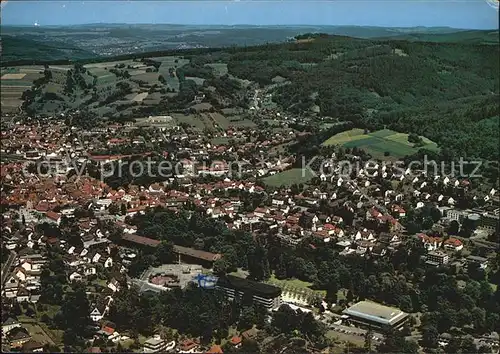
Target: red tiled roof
{"x": 235, "y": 340}
{"x": 453, "y": 241}
{"x": 188, "y": 344}
{"x": 215, "y": 349}
{"x": 108, "y": 330}
{"x": 53, "y": 215}
{"x": 141, "y": 240}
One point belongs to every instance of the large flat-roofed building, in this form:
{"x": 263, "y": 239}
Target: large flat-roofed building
{"x": 437, "y": 258}
{"x": 238, "y": 289}
{"x": 490, "y": 221}
{"x": 374, "y": 315}
{"x": 184, "y": 254}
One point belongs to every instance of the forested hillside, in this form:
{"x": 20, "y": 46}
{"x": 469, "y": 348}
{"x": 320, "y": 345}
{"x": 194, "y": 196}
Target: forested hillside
{"x": 446, "y": 92}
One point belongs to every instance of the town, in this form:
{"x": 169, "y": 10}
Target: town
{"x": 250, "y": 177}
{"x": 365, "y": 254}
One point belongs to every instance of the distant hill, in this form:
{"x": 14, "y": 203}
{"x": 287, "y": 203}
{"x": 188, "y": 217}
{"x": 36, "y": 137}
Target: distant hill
{"x": 96, "y": 40}
{"x": 17, "y": 48}
{"x": 470, "y": 37}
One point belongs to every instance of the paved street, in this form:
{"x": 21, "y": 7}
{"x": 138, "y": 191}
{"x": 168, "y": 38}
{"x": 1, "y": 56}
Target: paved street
{"x": 8, "y": 264}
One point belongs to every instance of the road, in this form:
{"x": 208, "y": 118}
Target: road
{"x": 8, "y": 264}
{"x": 354, "y": 184}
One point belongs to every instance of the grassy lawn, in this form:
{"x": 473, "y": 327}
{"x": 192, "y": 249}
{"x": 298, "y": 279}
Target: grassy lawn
{"x": 240, "y": 273}
{"x": 55, "y": 334}
{"x": 38, "y": 333}
{"x": 289, "y": 283}
{"x": 142, "y": 339}
{"x": 101, "y": 282}
{"x": 50, "y": 310}
{"x": 194, "y": 121}
{"x": 344, "y": 137}
{"x": 289, "y": 177}
{"x": 379, "y": 142}
{"x": 26, "y": 319}
{"x": 295, "y": 286}
{"x": 221, "y": 121}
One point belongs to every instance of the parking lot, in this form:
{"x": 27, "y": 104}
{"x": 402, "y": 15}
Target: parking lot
{"x": 354, "y": 331}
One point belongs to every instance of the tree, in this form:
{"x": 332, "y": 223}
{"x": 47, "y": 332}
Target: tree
{"x": 368, "y": 341}
{"x": 414, "y": 138}
{"x": 430, "y": 336}
{"x": 114, "y": 209}
{"x": 453, "y": 228}
{"x": 331, "y": 292}
{"x": 435, "y": 214}
{"x": 478, "y": 318}
{"x": 258, "y": 264}
{"x": 74, "y": 318}
{"x": 165, "y": 252}
{"x": 247, "y": 318}
{"x": 349, "y": 296}
{"x": 221, "y": 267}
{"x": 394, "y": 342}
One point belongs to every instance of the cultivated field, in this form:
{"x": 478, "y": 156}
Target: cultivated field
{"x": 14, "y": 81}
{"x": 379, "y": 143}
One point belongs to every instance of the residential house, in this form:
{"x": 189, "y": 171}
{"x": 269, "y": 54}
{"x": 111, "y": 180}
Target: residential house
{"x": 9, "y": 324}
{"x": 32, "y": 346}
{"x": 430, "y": 243}
{"x": 114, "y": 285}
{"x": 379, "y": 250}
{"x": 364, "y": 235}
{"x": 250, "y": 334}
{"x": 18, "y": 336}
{"x": 453, "y": 244}
{"x": 236, "y": 341}
{"x": 189, "y": 346}
{"x": 75, "y": 276}
{"x": 11, "y": 287}
{"x": 215, "y": 349}
{"x": 97, "y": 312}
{"x": 23, "y": 295}
{"x": 389, "y": 239}
{"x": 109, "y": 334}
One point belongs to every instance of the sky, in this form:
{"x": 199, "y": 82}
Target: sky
{"x": 471, "y": 14}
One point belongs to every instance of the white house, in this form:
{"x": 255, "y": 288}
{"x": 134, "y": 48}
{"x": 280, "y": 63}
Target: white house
{"x": 75, "y": 276}
{"x": 97, "y": 314}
